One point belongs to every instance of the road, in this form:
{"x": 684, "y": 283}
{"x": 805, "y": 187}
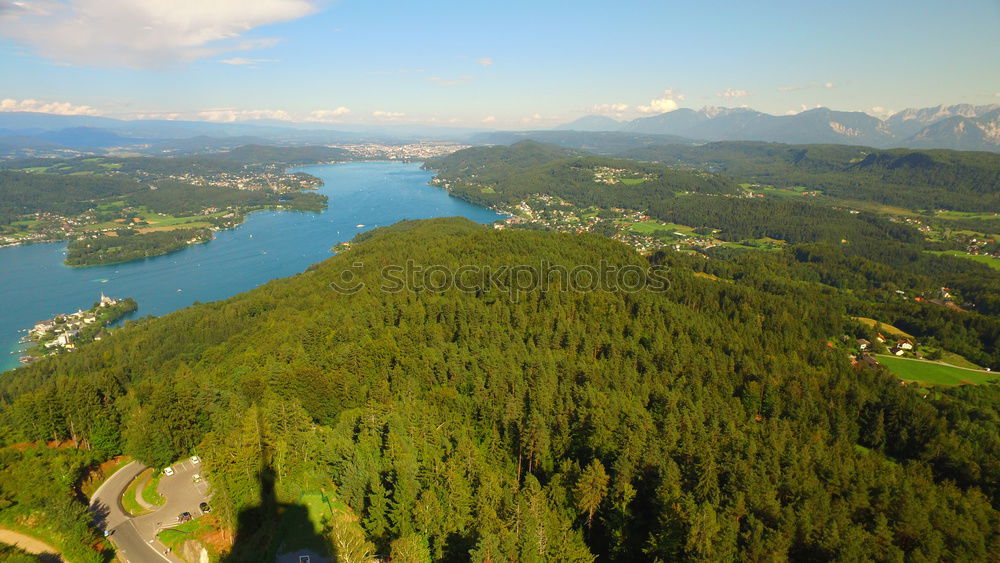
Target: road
{"x": 135, "y": 536}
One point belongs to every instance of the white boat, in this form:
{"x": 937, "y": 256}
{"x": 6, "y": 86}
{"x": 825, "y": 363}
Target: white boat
{"x": 361, "y": 226}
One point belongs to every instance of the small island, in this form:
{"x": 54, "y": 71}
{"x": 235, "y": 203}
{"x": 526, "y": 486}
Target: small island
{"x": 64, "y": 333}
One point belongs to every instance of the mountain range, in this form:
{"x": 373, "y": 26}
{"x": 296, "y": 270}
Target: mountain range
{"x": 961, "y": 127}
{"x": 25, "y": 134}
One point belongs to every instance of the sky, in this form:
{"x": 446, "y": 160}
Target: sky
{"x": 502, "y": 65}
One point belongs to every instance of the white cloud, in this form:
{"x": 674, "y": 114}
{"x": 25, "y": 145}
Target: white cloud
{"x": 142, "y": 33}
{"x": 537, "y": 119}
{"x": 60, "y": 108}
{"x": 166, "y": 116}
{"x": 328, "y": 114}
{"x": 665, "y": 103}
{"x": 791, "y": 88}
{"x": 829, "y": 85}
{"x": 732, "y": 94}
{"x": 802, "y": 108}
{"x": 240, "y": 61}
{"x": 485, "y": 61}
{"x": 608, "y": 109}
{"x": 879, "y": 112}
{"x": 382, "y": 114}
{"x": 230, "y": 115}
{"x": 489, "y": 119}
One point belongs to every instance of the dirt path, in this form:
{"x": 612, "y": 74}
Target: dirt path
{"x": 29, "y": 544}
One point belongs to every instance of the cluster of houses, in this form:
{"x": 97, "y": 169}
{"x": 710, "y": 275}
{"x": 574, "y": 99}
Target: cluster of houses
{"x": 900, "y": 347}
{"x": 61, "y": 330}
{"x": 896, "y": 347}
{"x": 609, "y": 175}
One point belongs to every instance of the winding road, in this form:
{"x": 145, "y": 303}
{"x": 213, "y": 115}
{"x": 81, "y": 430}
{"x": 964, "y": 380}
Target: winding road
{"x": 135, "y": 536}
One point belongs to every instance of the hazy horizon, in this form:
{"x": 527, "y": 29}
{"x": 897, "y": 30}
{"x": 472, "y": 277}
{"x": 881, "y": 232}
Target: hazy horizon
{"x": 519, "y": 66}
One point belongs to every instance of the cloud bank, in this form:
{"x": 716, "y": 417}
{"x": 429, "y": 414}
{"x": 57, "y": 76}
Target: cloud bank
{"x": 142, "y": 33}
{"x": 58, "y": 108}
{"x": 665, "y": 103}
{"x": 732, "y": 94}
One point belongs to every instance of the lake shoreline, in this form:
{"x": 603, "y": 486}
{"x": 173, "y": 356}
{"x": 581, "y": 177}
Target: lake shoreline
{"x": 269, "y": 244}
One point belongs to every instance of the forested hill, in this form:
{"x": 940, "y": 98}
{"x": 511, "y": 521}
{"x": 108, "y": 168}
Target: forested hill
{"x": 702, "y": 420}
{"x": 914, "y": 179}
{"x": 490, "y": 175}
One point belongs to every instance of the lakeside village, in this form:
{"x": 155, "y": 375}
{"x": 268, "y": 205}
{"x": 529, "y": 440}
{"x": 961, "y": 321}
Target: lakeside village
{"x": 64, "y": 333}
{"x": 48, "y": 227}
{"x": 635, "y": 228}
{"x": 647, "y": 235}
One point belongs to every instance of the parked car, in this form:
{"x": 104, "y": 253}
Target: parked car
{"x": 168, "y": 471}
{"x": 204, "y": 508}
{"x": 184, "y": 517}
{"x": 195, "y": 459}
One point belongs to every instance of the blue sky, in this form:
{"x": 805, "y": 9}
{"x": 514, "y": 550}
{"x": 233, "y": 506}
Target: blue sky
{"x": 489, "y": 64}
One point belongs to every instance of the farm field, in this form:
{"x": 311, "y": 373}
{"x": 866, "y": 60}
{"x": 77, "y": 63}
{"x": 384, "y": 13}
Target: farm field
{"x": 933, "y": 373}
{"x": 650, "y": 227}
{"x": 887, "y": 329}
{"x": 988, "y": 260}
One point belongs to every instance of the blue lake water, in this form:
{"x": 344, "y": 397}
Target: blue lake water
{"x": 36, "y": 285}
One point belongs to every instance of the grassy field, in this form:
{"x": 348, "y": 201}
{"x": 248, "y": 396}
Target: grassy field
{"x": 930, "y": 373}
{"x": 988, "y": 260}
{"x": 708, "y": 276}
{"x": 955, "y": 360}
{"x": 129, "y": 503}
{"x": 320, "y": 509}
{"x": 758, "y": 244}
{"x": 794, "y": 191}
{"x": 964, "y": 215}
{"x": 174, "y": 537}
{"x": 870, "y": 206}
{"x": 884, "y": 328}
{"x": 159, "y": 222}
{"x": 650, "y": 227}
{"x": 149, "y": 492}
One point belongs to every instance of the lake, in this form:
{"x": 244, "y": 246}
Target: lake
{"x": 36, "y": 285}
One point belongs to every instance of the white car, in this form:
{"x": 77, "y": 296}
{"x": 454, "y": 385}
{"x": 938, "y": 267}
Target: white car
{"x": 195, "y": 459}
{"x": 168, "y": 471}
{"x": 197, "y": 478}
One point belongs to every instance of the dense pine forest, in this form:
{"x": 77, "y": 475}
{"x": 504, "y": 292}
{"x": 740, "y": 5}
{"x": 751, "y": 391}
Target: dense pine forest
{"x": 711, "y": 419}
{"x": 868, "y": 256}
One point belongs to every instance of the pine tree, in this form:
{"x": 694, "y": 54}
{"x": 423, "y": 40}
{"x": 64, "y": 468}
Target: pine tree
{"x": 591, "y": 488}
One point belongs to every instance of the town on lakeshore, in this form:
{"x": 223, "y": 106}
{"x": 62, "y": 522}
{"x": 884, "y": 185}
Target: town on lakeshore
{"x": 145, "y": 195}
{"x": 64, "y": 333}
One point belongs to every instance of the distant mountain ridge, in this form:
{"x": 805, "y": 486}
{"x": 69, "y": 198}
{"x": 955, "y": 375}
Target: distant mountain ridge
{"x": 29, "y": 134}
{"x": 961, "y": 126}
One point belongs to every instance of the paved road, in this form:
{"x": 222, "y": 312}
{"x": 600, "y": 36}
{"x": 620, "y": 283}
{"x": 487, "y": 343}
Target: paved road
{"x": 135, "y": 536}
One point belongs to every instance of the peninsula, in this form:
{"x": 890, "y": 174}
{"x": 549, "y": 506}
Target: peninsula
{"x": 64, "y": 333}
